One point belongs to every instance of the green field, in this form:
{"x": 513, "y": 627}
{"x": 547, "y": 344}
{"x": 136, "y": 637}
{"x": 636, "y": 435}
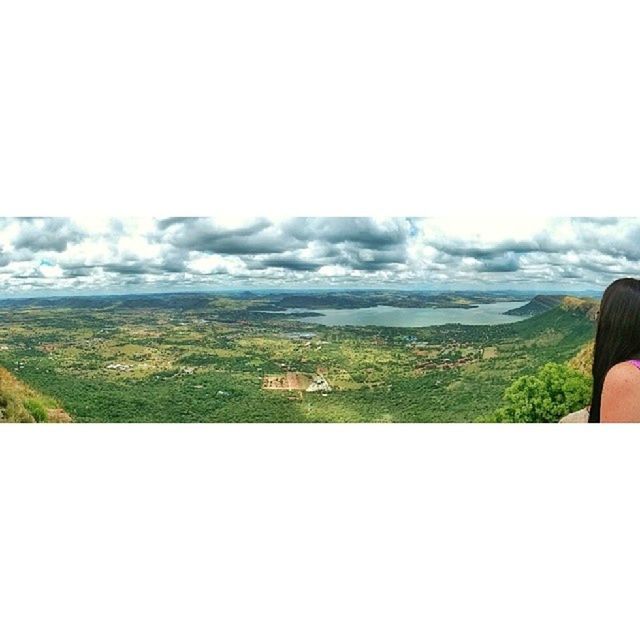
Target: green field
{"x": 153, "y": 363}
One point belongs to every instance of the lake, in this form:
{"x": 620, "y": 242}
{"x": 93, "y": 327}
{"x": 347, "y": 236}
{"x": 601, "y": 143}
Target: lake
{"x": 492, "y": 313}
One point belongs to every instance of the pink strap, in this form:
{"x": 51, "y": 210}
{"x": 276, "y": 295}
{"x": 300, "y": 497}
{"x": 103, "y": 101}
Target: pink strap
{"x": 636, "y": 363}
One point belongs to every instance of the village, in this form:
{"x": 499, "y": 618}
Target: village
{"x": 450, "y": 356}
{"x": 296, "y": 381}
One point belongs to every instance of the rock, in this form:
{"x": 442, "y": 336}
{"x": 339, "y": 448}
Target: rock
{"x": 577, "y": 416}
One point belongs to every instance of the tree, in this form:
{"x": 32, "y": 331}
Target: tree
{"x": 550, "y": 394}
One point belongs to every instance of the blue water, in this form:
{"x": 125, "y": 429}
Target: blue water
{"x": 385, "y": 316}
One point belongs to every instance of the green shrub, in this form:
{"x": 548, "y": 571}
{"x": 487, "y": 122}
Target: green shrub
{"x": 550, "y": 394}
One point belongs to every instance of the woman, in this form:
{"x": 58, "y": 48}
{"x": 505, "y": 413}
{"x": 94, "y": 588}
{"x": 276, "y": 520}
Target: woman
{"x": 616, "y": 361}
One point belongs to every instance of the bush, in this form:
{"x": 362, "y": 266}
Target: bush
{"x": 37, "y": 411}
{"x": 550, "y": 394}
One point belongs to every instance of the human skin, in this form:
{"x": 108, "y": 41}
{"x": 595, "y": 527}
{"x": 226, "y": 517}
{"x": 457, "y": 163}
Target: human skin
{"x": 621, "y": 394}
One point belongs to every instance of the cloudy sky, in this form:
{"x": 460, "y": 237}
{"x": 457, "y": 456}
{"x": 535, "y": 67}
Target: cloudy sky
{"x": 40, "y": 256}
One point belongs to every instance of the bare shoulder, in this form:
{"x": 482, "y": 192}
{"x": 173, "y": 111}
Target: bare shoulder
{"x": 622, "y": 375}
{"x": 621, "y": 394}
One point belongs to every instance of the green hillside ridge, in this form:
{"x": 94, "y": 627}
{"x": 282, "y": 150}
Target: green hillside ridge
{"x": 20, "y": 403}
{"x": 542, "y": 303}
{"x": 537, "y": 305}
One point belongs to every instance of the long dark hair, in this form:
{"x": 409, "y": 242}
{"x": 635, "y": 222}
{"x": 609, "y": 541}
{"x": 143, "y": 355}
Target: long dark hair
{"x": 618, "y": 334}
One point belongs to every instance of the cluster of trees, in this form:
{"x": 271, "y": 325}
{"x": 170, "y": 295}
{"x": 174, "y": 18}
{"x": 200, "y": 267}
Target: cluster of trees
{"x": 551, "y": 393}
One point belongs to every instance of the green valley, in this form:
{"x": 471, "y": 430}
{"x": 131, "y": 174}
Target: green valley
{"x": 230, "y": 358}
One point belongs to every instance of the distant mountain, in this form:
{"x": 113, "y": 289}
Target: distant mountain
{"x": 20, "y": 403}
{"x": 538, "y": 305}
{"x": 542, "y": 303}
{"x": 249, "y": 303}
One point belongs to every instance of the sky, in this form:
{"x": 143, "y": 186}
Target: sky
{"x": 54, "y": 256}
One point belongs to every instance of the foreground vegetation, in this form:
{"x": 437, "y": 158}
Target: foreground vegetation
{"x": 167, "y": 362}
{"x": 20, "y": 403}
{"x": 553, "y": 392}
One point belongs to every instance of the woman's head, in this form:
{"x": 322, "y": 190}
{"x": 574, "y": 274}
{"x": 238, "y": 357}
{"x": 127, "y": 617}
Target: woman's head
{"x": 618, "y": 334}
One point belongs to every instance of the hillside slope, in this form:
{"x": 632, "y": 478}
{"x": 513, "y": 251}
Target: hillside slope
{"x": 539, "y": 304}
{"x": 588, "y": 306}
{"x": 543, "y": 303}
{"x": 20, "y": 403}
{"x": 583, "y": 360}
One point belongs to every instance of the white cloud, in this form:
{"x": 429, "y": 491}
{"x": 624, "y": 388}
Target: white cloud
{"x": 122, "y": 254}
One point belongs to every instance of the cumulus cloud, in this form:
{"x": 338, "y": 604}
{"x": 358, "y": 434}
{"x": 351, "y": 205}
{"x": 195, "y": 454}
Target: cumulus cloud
{"x": 362, "y": 232}
{"x": 46, "y": 234}
{"x": 506, "y": 263}
{"x": 290, "y": 263}
{"x": 208, "y": 235}
{"x": 123, "y": 254}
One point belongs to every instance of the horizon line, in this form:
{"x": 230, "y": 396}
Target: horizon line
{"x": 69, "y": 294}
